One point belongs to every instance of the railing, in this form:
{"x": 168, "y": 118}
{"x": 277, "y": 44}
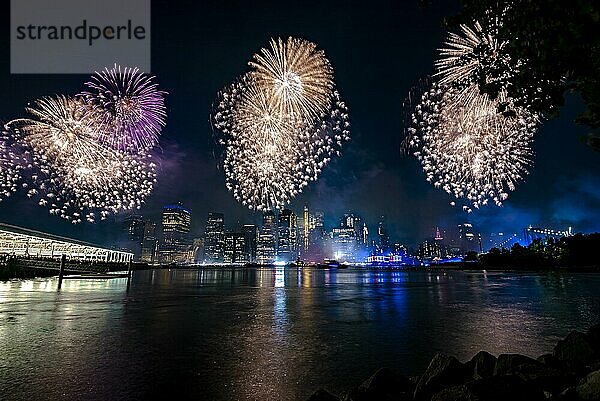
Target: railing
{"x": 70, "y": 266}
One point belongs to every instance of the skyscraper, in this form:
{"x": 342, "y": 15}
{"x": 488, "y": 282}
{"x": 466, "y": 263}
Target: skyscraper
{"x": 429, "y": 250}
{"x": 235, "y": 248}
{"x": 354, "y": 221}
{"x": 229, "y": 250}
{"x": 149, "y": 243}
{"x": 176, "y": 244}
{"x": 467, "y": 238}
{"x": 306, "y": 229}
{"x": 134, "y": 229}
{"x": 287, "y": 242}
{"x": 214, "y": 238}
{"x": 319, "y": 220}
{"x": 267, "y": 239}
{"x": 250, "y": 235}
{"x": 198, "y": 250}
{"x": 383, "y": 236}
{"x": 317, "y": 238}
{"x": 365, "y": 235}
{"x": 344, "y": 244}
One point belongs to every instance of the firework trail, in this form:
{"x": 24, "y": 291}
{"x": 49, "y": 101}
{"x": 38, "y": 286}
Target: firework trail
{"x": 470, "y": 145}
{"x": 280, "y": 124}
{"x": 127, "y": 108}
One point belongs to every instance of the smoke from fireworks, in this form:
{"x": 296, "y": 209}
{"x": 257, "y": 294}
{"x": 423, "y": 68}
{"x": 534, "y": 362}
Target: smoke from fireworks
{"x": 280, "y": 124}
{"x": 128, "y": 108}
{"x": 466, "y": 146}
{"x": 89, "y": 156}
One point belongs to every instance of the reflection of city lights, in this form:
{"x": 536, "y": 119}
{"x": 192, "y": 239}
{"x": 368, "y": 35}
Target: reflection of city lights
{"x": 279, "y": 277}
{"x": 306, "y": 277}
{"x": 4, "y": 287}
{"x": 26, "y": 285}
{"x": 279, "y": 307}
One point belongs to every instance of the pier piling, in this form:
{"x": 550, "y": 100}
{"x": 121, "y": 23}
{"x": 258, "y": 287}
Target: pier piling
{"x": 129, "y": 266}
{"x": 61, "y": 273}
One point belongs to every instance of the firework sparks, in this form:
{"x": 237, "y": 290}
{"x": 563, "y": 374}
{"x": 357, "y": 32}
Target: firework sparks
{"x": 128, "y": 109}
{"x": 87, "y": 156}
{"x": 11, "y": 167}
{"x": 466, "y": 146}
{"x": 280, "y": 124}
{"x": 71, "y": 172}
{"x": 473, "y": 56}
{"x": 300, "y": 77}
{"x": 469, "y": 149}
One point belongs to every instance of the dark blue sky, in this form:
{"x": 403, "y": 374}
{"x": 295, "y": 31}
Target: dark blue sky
{"x": 378, "y": 50}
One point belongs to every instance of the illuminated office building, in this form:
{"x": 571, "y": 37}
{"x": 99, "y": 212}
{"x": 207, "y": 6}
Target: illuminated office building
{"x": 176, "y": 244}
{"x": 383, "y": 243}
{"x": 235, "y": 248}
{"x": 250, "y": 238}
{"x": 149, "y": 243}
{"x": 344, "y": 244}
{"x": 267, "y": 239}
{"x": 287, "y": 239}
{"x": 214, "y": 238}
{"x": 134, "y": 231}
{"x": 305, "y": 229}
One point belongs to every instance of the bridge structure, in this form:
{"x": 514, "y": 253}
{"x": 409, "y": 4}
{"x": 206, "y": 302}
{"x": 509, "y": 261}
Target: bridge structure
{"x": 533, "y": 233}
{"x": 19, "y": 242}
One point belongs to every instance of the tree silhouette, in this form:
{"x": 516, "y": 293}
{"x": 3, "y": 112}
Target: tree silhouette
{"x": 559, "y": 41}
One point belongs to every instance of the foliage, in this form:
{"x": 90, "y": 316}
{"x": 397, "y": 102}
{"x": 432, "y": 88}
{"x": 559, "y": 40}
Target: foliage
{"x": 559, "y": 44}
{"x": 471, "y": 256}
{"x": 576, "y": 251}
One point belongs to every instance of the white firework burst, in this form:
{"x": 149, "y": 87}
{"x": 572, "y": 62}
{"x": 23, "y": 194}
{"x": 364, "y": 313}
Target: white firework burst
{"x": 470, "y": 145}
{"x": 299, "y": 76}
{"x": 72, "y": 173}
{"x": 280, "y": 124}
{"x": 469, "y": 149}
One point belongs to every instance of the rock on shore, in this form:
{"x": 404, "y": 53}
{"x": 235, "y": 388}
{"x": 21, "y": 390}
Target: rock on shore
{"x": 570, "y": 373}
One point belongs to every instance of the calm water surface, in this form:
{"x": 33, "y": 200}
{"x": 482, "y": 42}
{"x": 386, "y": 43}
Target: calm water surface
{"x": 269, "y": 334}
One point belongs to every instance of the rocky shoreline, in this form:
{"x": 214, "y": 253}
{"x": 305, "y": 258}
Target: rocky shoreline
{"x": 570, "y": 373}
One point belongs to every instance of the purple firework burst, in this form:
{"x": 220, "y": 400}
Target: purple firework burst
{"x": 129, "y": 108}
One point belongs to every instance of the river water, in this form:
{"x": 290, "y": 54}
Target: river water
{"x": 269, "y": 334}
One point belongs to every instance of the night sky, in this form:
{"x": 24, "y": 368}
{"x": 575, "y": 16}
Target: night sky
{"x": 379, "y": 50}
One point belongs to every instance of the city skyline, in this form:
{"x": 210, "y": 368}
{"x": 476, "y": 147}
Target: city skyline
{"x": 372, "y": 175}
{"x": 290, "y": 236}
